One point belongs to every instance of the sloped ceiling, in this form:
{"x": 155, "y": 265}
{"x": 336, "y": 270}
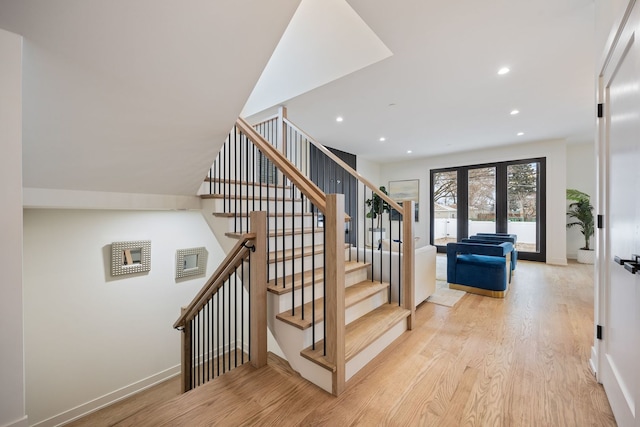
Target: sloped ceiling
{"x": 325, "y": 40}
{"x": 136, "y": 96}
{"x": 440, "y": 92}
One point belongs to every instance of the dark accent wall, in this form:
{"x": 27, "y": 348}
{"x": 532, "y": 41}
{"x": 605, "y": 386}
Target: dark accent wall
{"x": 333, "y": 179}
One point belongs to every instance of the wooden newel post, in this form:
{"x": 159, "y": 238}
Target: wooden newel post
{"x": 334, "y": 288}
{"x": 408, "y": 263}
{"x": 258, "y": 294}
{"x": 186, "y": 339}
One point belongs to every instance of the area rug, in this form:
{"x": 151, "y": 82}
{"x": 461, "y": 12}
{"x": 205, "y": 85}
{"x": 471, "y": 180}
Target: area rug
{"x": 444, "y": 295}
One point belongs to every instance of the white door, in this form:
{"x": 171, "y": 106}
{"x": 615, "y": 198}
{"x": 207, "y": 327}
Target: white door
{"x": 621, "y": 329}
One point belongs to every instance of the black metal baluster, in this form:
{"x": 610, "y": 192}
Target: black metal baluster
{"x": 292, "y": 263}
{"x": 246, "y": 179}
{"x": 249, "y": 291}
{"x": 218, "y": 323}
{"x": 242, "y": 316}
{"x": 205, "y": 330}
{"x": 235, "y": 320}
{"x": 197, "y": 354}
{"x": 239, "y": 183}
{"x": 324, "y": 289}
{"x": 193, "y": 352}
{"x": 224, "y": 339}
{"x": 293, "y": 218}
{"x": 284, "y": 210}
{"x": 313, "y": 279}
{"x": 402, "y": 240}
{"x": 235, "y": 185}
{"x": 228, "y": 347}
{"x": 224, "y": 175}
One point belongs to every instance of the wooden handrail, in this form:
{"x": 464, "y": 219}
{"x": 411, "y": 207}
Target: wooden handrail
{"x": 395, "y": 205}
{"x": 304, "y": 184}
{"x": 234, "y": 258}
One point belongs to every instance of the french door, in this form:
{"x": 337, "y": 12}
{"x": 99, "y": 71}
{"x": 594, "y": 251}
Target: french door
{"x": 505, "y": 197}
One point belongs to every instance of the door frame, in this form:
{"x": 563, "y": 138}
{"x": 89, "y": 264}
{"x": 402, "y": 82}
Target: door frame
{"x": 622, "y": 33}
{"x": 501, "y": 202}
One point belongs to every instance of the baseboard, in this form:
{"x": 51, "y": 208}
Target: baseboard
{"x": 109, "y": 398}
{"x": 557, "y": 261}
{"x": 22, "y": 422}
{"x": 593, "y": 362}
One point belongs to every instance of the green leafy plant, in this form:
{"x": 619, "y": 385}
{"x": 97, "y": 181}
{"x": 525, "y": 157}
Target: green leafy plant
{"x": 377, "y": 206}
{"x": 581, "y": 214}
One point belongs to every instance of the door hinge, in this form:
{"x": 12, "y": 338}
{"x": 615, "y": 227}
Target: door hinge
{"x": 599, "y": 332}
{"x": 600, "y": 110}
{"x": 600, "y": 221}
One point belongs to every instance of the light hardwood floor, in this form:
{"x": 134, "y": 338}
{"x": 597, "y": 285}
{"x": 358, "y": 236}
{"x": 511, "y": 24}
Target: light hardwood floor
{"x": 518, "y": 361}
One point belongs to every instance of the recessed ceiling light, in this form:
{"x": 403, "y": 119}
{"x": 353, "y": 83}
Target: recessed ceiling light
{"x": 339, "y": 119}
{"x": 383, "y": 139}
{"x": 503, "y": 70}
{"x": 409, "y": 151}
{"x": 520, "y": 133}
{"x": 514, "y": 112}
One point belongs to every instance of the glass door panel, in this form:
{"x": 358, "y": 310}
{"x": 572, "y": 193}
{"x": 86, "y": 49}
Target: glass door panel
{"x": 522, "y": 205}
{"x": 445, "y": 207}
{"x": 482, "y": 200}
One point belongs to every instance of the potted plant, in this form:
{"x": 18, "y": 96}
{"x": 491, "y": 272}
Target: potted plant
{"x": 376, "y": 207}
{"x": 581, "y": 215}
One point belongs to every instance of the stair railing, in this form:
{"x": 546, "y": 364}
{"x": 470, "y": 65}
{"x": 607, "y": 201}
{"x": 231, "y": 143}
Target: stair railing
{"x": 251, "y": 174}
{"x": 224, "y": 326}
{"x": 299, "y": 148}
{"x": 250, "y": 169}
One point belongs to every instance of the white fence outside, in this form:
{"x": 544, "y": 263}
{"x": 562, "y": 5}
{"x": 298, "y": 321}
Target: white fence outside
{"x": 446, "y": 228}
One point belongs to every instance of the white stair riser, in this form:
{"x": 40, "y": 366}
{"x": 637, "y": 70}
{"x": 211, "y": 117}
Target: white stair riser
{"x": 354, "y": 277}
{"x": 271, "y": 206}
{"x": 286, "y": 222}
{"x": 291, "y": 266}
{"x": 276, "y": 243}
{"x": 245, "y": 190}
{"x": 365, "y": 356}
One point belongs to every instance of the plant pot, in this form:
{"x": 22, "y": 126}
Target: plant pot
{"x": 586, "y": 256}
{"x": 378, "y": 234}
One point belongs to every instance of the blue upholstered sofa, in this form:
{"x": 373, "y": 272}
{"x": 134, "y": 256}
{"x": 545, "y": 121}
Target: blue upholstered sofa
{"x": 479, "y": 268}
{"x": 499, "y": 238}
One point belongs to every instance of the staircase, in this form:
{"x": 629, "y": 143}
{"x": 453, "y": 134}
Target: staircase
{"x": 325, "y": 315}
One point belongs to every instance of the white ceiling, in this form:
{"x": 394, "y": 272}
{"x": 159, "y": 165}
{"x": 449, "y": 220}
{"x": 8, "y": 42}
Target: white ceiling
{"x": 136, "y": 96}
{"x": 440, "y": 92}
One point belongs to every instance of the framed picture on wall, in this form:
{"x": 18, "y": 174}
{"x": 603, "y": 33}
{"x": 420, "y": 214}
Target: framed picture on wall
{"x": 400, "y": 191}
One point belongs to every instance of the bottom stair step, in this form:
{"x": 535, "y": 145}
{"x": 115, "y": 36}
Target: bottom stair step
{"x": 360, "y": 333}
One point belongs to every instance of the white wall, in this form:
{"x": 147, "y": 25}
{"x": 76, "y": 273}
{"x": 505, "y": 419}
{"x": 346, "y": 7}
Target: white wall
{"x": 554, "y": 151}
{"x": 371, "y": 171}
{"x": 91, "y": 338}
{"x": 12, "y": 398}
{"x": 581, "y": 175}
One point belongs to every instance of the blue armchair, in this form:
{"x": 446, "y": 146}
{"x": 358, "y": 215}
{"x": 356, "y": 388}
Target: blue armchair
{"x": 499, "y": 237}
{"x": 479, "y": 268}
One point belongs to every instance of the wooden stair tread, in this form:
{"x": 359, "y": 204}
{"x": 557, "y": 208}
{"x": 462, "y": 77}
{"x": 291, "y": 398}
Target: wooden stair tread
{"x": 291, "y": 254}
{"x": 353, "y": 295}
{"x": 306, "y": 278}
{"x": 360, "y": 333}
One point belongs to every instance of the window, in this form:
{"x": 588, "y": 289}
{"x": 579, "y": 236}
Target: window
{"x": 505, "y": 197}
